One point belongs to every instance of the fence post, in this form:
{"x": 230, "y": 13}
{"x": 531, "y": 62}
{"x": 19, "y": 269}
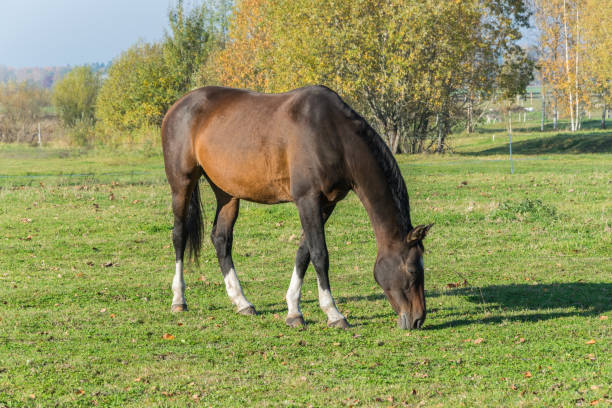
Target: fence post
{"x": 39, "y": 134}
{"x": 510, "y": 144}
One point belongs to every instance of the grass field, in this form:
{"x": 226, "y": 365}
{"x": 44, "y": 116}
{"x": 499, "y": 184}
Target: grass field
{"x": 518, "y": 286}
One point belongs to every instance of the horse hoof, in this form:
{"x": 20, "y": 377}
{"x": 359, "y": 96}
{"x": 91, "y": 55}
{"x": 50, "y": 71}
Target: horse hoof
{"x": 179, "y": 308}
{"x": 295, "y": 321}
{"x": 339, "y": 324}
{"x": 248, "y": 311}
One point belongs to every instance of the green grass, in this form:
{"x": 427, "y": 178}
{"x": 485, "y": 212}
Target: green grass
{"x": 518, "y": 281}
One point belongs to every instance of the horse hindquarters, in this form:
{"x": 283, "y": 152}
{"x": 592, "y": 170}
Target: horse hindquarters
{"x": 183, "y": 174}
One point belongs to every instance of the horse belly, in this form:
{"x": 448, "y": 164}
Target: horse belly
{"x": 262, "y": 178}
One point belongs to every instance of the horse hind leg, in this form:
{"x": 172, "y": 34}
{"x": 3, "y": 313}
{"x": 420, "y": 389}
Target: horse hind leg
{"x": 222, "y": 237}
{"x": 187, "y": 230}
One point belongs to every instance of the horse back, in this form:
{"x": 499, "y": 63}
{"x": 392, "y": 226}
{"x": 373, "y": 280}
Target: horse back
{"x": 267, "y": 148}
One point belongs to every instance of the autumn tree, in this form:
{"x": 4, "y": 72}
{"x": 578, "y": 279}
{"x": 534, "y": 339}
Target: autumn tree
{"x": 21, "y": 107}
{"x": 598, "y": 57}
{"x": 393, "y": 60}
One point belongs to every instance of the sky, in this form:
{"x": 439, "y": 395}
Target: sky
{"x": 39, "y": 33}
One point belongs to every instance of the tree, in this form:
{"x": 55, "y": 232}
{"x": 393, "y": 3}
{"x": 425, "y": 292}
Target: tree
{"x": 144, "y": 81}
{"x": 392, "y": 60}
{"x": 186, "y": 47}
{"x": 137, "y": 92}
{"x": 598, "y": 59}
{"x": 74, "y": 96}
{"x": 21, "y": 107}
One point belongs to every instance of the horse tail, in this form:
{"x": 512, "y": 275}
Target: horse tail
{"x": 194, "y": 225}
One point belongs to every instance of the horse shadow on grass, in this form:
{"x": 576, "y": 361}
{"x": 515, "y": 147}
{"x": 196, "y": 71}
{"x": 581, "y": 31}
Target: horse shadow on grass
{"x": 563, "y": 143}
{"x": 504, "y": 303}
{"x": 532, "y": 303}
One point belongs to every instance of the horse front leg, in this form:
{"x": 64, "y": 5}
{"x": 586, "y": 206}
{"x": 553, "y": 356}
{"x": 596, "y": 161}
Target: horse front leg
{"x": 222, "y": 237}
{"x": 313, "y": 220}
{"x": 294, "y": 293}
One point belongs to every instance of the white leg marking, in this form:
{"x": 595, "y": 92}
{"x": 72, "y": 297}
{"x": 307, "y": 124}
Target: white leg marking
{"x": 178, "y": 285}
{"x": 234, "y": 290}
{"x": 326, "y": 301}
{"x": 293, "y": 295}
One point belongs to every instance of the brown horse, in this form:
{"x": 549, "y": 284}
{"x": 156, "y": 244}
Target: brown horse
{"x": 306, "y": 146}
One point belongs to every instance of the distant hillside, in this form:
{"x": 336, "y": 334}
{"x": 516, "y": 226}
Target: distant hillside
{"x": 42, "y": 76}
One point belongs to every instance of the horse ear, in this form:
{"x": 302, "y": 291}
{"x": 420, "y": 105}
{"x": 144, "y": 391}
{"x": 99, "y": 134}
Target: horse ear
{"x": 418, "y": 233}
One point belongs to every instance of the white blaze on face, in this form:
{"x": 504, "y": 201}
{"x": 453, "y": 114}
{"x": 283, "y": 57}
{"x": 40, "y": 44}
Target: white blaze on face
{"x": 178, "y": 285}
{"x": 293, "y": 295}
{"x": 326, "y": 301}
{"x": 234, "y": 290}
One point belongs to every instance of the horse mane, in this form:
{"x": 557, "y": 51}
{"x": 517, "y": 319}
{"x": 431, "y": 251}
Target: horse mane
{"x": 387, "y": 163}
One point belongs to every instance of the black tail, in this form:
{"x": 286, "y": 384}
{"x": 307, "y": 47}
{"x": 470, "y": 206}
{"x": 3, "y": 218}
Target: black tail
{"x": 194, "y": 225}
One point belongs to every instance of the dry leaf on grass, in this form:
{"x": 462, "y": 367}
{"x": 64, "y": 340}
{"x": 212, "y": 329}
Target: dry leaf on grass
{"x": 168, "y": 336}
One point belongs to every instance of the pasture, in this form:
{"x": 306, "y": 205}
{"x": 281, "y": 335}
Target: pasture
{"x": 518, "y": 287}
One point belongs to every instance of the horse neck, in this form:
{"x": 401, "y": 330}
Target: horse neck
{"x": 375, "y": 194}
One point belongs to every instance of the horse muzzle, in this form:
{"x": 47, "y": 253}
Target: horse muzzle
{"x": 409, "y": 321}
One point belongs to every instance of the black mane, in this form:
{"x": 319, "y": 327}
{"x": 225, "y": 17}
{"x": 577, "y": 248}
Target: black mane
{"x": 387, "y": 163}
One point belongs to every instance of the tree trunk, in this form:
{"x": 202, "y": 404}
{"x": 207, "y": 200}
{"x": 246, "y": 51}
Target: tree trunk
{"x": 578, "y": 125}
{"x": 469, "y": 116}
{"x": 394, "y": 141}
{"x": 542, "y": 94}
{"x": 556, "y": 113}
{"x": 567, "y": 70}
{"x": 603, "y": 116}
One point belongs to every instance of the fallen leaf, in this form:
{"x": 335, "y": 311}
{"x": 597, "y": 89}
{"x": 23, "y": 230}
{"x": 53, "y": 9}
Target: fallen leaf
{"x": 26, "y": 220}
{"x": 592, "y": 341}
{"x": 138, "y": 379}
{"x": 28, "y": 238}
{"x": 528, "y": 374}
{"x": 603, "y": 317}
{"x": 167, "y": 336}
{"x": 112, "y": 315}
{"x": 108, "y": 264}
{"x": 521, "y": 340}
{"x": 336, "y": 344}
{"x": 414, "y": 392}
{"x": 103, "y": 310}
{"x": 179, "y": 324}
{"x": 79, "y": 392}
{"x": 514, "y": 387}
{"x": 276, "y": 316}
{"x": 594, "y": 402}
{"x": 478, "y": 340}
